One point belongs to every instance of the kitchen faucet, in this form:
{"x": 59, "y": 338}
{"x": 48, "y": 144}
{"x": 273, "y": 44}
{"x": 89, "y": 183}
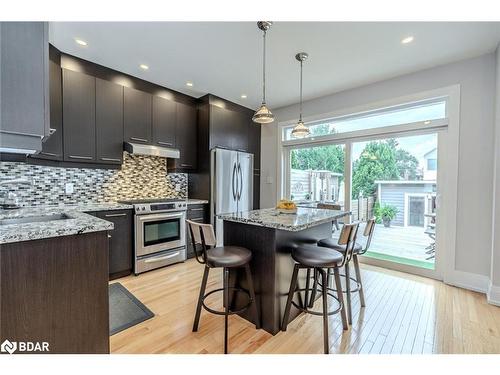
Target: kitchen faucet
{"x": 10, "y": 200}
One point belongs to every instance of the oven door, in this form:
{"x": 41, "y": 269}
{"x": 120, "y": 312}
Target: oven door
{"x": 159, "y": 232}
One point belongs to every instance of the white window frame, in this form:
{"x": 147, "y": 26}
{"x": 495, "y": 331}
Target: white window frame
{"x": 447, "y": 175}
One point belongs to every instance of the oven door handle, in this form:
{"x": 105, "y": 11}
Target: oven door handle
{"x": 160, "y": 216}
{"x": 153, "y": 260}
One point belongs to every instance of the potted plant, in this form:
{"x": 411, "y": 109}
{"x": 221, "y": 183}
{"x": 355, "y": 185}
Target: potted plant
{"x": 385, "y": 214}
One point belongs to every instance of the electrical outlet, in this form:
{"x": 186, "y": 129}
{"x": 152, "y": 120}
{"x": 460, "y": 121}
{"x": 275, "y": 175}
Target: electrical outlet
{"x": 177, "y": 187}
{"x": 69, "y": 188}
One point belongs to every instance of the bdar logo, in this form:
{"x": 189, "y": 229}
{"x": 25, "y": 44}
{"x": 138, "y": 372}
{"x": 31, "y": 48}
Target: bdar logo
{"x": 8, "y": 347}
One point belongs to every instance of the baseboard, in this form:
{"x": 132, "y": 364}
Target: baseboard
{"x": 493, "y": 295}
{"x": 467, "y": 280}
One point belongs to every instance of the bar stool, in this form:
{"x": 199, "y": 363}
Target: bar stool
{"x": 358, "y": 250}
{"x": 226, "y": 257}
{"x": 317, "y": 259}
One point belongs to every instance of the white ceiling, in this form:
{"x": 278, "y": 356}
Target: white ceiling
{"x": 225, "y": 58}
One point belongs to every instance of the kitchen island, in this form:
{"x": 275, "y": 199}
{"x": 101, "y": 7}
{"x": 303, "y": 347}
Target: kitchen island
{"x": 271, "y": 235}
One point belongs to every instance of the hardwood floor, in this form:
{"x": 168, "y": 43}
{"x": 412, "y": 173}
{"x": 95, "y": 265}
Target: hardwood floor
{"x": 403, "y": 314}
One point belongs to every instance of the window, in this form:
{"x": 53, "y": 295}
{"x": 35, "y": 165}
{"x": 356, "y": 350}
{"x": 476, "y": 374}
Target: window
{"x": 376, "y": 119}
{"x": 431, "y": 164}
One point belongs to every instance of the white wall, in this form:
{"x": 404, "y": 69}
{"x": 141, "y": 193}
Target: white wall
{"x": 477, "y": 88}
{"x": 494, "y": 290}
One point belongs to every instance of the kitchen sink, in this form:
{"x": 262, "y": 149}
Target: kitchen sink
{"x": 34, "y": 219}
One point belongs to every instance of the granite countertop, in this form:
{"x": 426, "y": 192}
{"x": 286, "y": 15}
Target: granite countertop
{"x": 197, "y": 201}
{"x": 272, "y": 218}
{"x": 77, "y": 223}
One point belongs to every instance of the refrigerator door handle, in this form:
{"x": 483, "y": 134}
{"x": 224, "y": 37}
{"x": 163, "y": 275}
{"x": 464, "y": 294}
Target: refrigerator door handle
{"x": 241, "y": 179}
{"x": 234, "y": 172}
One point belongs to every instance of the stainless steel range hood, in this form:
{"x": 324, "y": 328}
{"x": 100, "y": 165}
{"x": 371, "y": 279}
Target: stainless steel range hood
{"x": 149, "y": 150}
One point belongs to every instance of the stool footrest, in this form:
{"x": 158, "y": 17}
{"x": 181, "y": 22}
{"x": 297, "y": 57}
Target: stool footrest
{"x": 318, "y": 313}
{"x": 231, "y": 312}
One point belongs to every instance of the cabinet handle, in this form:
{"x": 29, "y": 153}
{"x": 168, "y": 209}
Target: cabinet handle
{"x": 115, "y": 215}
{"x": 196, "y": 209}
{"x": 197, "y": 219}
{"x": 81, "y": 157}
{"x": 49, "y": 154}
{"x": 165, "y": 143}
{"x": 186, "y": 165}
{"x": 138, "y": 139}
{"x": 110, "y": 159}
{"x": 52, "y": 131}
{"x": 109, "y": 235}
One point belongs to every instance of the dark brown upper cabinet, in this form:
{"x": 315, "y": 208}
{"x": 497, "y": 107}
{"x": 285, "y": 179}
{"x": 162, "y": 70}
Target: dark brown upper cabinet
{"x": 228, "y": 128}
{"x": 79, "y": 117}
{"x": 24, "y": 85}
{"x": 187, "y": 136}
{"x": 164, "y": 122}
{"x": 137, "y": 116}
{"x": 52, "y": 147}
{"x": 109, "y": 122}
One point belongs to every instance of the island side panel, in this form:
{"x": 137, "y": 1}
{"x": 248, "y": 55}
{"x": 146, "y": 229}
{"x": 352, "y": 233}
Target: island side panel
{"x": 285, "y": 241}
{"x": 272, "y": 267}
{"x": 261, "y": 242}
{"x": 56, "y": 290}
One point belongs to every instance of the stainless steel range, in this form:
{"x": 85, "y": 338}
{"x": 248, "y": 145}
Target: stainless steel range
{"x": 160, "y": 233}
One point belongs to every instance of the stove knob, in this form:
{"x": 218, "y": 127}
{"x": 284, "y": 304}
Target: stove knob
{"x": 143, "y": 208}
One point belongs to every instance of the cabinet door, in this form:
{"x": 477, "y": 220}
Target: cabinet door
{"x": 79, "y": 116}
{"x": 221, "y": 132}
{"x": 240, "y": 126}
{"x": 137, "y": 116}
{"x": 164, "y": 121}
{"x": 199, "y": 214}
{"x": 120, "y": 241}
{"x": 187, "y": 136}
{"x": 109, "y": 122}
{"x": 24, "y": 84}
{"x": 52, "y": 147}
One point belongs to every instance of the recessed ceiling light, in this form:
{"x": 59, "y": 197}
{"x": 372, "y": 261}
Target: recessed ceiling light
{"x": 81, "y": 42}
{"x": 427, "y": 122}
{"x": 144, "y": 66}
{"x": 190, "y": 84}
{"x": 243, "y": 96}
{"x": 407, "y": 40}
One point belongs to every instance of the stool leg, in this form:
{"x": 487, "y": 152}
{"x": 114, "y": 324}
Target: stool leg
{"x": 348, "y": 292}
{"x": 293, "y": 286}
{"x": 200, "y": 299}
{"x": 308, "y": 279}
{"x": 325, "y": 310}
{"x": 315, "y": 286}
{"x": 226, "y": 306}
{"x": 340, "y": 296}
{"x": 358, "y": 279}
{"x": 252, "y": 295}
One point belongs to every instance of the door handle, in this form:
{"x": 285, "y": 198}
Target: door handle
{"x": 110, "y": 159}
{"x": 241, "y": 179}
{"x": 165, "y": 143}
{"x": 234, "y": 173}
{"x": 80, "y": 157}
{"x": 153, "y": 260}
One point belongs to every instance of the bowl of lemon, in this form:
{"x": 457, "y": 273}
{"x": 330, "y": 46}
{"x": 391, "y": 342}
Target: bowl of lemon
{"x": 286, "y": 207}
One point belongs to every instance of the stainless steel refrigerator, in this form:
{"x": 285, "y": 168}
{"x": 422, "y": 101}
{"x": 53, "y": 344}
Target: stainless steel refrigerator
{"x": 232, "y": 185}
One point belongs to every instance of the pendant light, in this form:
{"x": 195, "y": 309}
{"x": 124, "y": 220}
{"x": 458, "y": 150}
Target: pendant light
{"x": 263, "y": 115}
{"x": 300, "y": 130}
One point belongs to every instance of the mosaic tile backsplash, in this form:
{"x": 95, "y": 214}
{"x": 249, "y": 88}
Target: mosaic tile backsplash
{"x": 139, "y": 177}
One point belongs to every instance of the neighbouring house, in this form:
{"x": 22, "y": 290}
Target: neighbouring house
{"x": 430, "y": 165}
{"x": 412, "y": 199}
{"x": 316, "y": 185}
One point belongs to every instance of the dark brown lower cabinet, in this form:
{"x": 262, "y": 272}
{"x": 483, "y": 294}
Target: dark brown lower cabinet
{"x": 198, "y": 213}
{"x": 121, "y": 241}
{"x": 55, "y": 290}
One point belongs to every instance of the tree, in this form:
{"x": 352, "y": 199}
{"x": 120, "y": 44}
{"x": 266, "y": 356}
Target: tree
{"x": 377, "y": 162}
{"x": 329, "y": 158}
{"x": 407, "y": 165}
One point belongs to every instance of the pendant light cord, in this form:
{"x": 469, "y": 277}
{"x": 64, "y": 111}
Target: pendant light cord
{"x": 300, "y": 106}
{"x": 264, "y": 71}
